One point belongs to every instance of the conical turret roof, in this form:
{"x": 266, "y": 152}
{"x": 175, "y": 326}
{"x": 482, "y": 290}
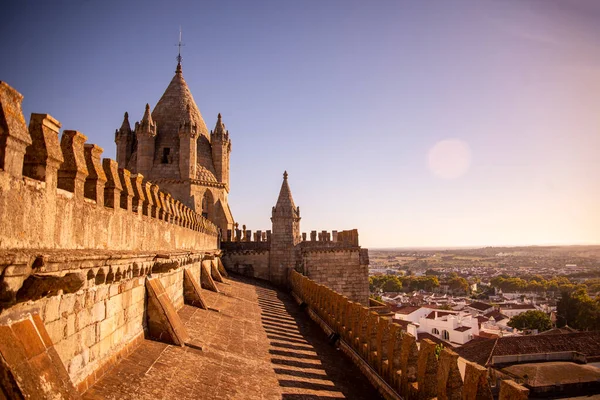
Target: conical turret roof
{"x": 220, "y": 126}
{"x": 172, "y": 108}
{"x": 285, "y": 202}
{"x": 125, "y": 126}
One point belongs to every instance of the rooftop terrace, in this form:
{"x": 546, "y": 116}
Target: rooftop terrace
{"x": 259, "y": 345}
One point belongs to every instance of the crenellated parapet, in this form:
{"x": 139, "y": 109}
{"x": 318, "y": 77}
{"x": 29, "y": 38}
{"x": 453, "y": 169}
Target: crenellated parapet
{"x": 347, "y": 238}
{"x": 62, "y": 194}
{"x": 394, "y": 362}
{"x": 245, "y": 235}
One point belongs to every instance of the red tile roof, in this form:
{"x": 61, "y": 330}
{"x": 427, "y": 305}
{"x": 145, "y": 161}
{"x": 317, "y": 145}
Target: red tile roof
{"x": 462, "y": 328}
{"x": 518, "y": 306}
{"x": 587, "y": 343}
{"x": 488, "y": 335}
{"x": 478, "y": 305}
{"x": 498, "y": 316}
{"x": 405, "y": 310}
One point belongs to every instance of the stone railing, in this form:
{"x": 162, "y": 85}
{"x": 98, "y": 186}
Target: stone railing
{"x": 391, "y": 358}
{"x": 62, "y": 195}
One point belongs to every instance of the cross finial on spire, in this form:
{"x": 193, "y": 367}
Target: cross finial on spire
{"x": 179, "y": 58}
{"x": 285, "y": 175}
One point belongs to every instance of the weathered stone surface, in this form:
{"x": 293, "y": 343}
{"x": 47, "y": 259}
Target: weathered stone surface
{"x": 73, "y": 171}
{"x": 44, "y": 156}
{"x": 510, "y": 390}
{"x": 14, "y": 137}
{"x": 96, "y": 179}
{"x": 112, "y": 188}
{"x": 160, "y": 267}
{"x": 214, "y": 271}
{"x": 163, "y": 322}
{"x": 29, "y": 365}
{"x": 449, "y": 381}
{"x": 206, "y": 279}
{"x": 192, "y": 291}
{"x": 476, "y": 385}
{"x": 38, "y": 286}
{"x": 427, "y": 370}
{"x": 260, "y": 346}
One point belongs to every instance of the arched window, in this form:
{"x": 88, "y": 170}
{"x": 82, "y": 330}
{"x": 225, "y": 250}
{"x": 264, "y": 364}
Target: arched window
{"x": 435, "y": 331}
{"x": 445, "y": 335}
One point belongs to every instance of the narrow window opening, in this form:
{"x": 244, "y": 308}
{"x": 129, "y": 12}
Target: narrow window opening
{"x": 165, "y": 156}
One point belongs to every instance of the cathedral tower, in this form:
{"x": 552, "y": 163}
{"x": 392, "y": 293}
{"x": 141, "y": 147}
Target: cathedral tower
{"x": 173, "y": 148}
{"x": 286, "y": 235}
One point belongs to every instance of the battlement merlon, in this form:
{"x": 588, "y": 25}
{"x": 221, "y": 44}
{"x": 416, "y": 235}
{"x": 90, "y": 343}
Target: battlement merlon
{"x": 347, "y": 237}
{"x": 14, "y": 136}
{"x": 246, "y": 235}
{"x": 61, "y": 187}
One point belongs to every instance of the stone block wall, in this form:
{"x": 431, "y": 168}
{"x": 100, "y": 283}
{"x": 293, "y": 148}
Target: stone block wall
{"x": 92, "y": 326}
{"x": 339, "y": 269}
{"x": 173, "y": 284}
{"x": 252, "y": 263}
{"x": 391, "y": 358}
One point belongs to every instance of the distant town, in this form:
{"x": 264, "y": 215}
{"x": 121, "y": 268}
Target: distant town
{"x": 461, "y": 295}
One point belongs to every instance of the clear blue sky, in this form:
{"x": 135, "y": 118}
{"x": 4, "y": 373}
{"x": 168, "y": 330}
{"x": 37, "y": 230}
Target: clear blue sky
{"x": 421, "y": 123}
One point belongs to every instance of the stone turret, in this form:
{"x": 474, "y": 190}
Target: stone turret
{"x": 145, "y": 132}
{"x": 125, "y": 140}
{"x": 188, "y": 149}
{"x": 221, "y": 148}
{"x": 285, "y": 236}
{"x": 173, "y": 147}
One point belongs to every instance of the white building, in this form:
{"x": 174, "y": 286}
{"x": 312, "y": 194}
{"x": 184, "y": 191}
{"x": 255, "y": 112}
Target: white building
{"x": 510, "y": 310}
{"x": 451, "y": 326}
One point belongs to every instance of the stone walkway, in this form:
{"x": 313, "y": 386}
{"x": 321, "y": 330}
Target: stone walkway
{"x": 260, "y": 345}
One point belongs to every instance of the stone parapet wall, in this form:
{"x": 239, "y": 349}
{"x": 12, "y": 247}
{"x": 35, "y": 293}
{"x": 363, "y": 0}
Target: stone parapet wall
{"x": 64, "y": 196}
{"x": 90, "y": 324}
{"x": 394, "y": 362}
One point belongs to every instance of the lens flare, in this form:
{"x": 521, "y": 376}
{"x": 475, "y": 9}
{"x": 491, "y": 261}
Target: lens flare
{"x": 449, "y": 159}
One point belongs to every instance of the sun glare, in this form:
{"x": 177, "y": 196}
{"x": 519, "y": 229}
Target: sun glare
{"x": 449, "y": 159}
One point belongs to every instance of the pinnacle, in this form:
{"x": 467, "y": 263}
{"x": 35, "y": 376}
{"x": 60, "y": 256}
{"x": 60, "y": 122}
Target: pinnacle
{"x": 147, "y": 116}
{"x": 285, "y": 202}
{"x": 125, "y": 125}
{"x": 220, "y": 126}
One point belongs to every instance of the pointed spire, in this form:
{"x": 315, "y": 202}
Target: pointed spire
{"x": 146, "y": 125}
{"x": 125, "y": 126}
{"x": 285, "y": 202}
{"x": 147, "y": 116}
{"x": 220, "y": 126}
